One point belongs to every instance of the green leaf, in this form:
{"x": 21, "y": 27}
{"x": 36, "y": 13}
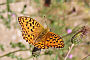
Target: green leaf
{"x": 56, "y": 57}
{"x": 37, "y": 1}
{"x": 13, "y": 45}
{"x": 49, "y": 52}
{"x": 1, "y": 47}
{"x": 20, "y": 45}
{"x": 19, "y": 58}
{"x": 11, "y": 55}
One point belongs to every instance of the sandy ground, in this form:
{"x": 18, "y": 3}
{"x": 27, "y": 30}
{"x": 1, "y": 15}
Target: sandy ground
{"x": 14, "y": 34}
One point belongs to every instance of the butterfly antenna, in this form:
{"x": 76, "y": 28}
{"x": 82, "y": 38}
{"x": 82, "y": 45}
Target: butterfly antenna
{"x": 47, "y": 26}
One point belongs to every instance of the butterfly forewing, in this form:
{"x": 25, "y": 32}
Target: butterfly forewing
{"x": 30, "y": 28}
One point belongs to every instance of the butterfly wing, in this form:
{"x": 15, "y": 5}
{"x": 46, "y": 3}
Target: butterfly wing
{"x": 30, "y": 28}
{"x": 50, "y": 40}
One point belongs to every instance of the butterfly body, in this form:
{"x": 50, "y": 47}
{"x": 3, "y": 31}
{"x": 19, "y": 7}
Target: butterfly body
{"x": 35, "y": 34}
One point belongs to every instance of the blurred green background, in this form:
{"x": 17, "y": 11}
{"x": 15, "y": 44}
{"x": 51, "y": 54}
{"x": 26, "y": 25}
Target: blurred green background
{"x": 63, "y": 17}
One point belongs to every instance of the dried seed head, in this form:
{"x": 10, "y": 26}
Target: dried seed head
{"x": 77, "y": 38}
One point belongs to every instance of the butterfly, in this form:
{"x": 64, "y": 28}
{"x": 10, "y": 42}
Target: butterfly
{"x": 34, "y": 33}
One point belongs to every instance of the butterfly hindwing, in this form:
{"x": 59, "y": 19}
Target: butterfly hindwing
{"x": 50, "y": 40}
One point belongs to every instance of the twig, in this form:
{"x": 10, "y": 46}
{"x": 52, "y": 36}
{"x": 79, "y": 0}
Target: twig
{"x": 69, "y": 51}
{"x": 13, "y": 52}
{"x": 2, "y": 3}
{"x": 85, "y": 57}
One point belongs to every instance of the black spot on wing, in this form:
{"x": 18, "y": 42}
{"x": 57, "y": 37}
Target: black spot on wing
{"x": 28, "y": 35}
{"x": 25, "y": 18}
{"x": 33, "y": 22}
{"x": 47, "y": 40}
{"x": 56, "y": 41}
{"x": 30, "y": 24}
{"x": 51, "y": 38}
{"x": 31, "y": 30}
{"x": 27, "y": 27}
{"x": 30, "y": 20}
{"x": 55, "y": 37}
{"x": 33, "y": 27}
{"x": 36, "y": 23}
{"x": 26, "y": 24}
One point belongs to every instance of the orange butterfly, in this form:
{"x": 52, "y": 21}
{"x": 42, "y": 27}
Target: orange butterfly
{"x": 35, "y": 34}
